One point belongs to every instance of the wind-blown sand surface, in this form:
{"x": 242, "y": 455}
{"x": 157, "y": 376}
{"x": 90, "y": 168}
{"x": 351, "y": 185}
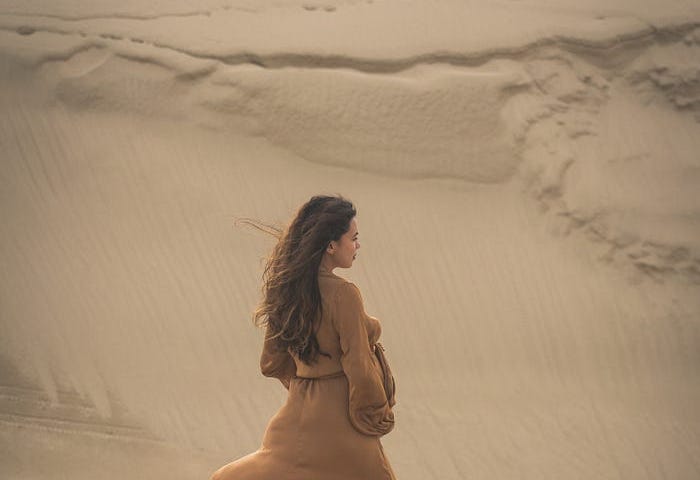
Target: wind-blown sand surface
{"x": 526, "y": 175}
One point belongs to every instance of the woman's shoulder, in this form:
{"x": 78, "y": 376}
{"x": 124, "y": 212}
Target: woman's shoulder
{"x": 331, "y": 278}
{"x": 338, "y": 287}
{"x": 348, "y": 294}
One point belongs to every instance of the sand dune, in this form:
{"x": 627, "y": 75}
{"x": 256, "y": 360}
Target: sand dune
{"x": 526, "y": 176}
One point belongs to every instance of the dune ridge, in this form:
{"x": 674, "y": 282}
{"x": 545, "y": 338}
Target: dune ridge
{"x": 551, "y": 87}
{"x": 627, "y": 36}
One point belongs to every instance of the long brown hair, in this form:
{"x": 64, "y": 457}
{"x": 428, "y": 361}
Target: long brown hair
{"x": 291, "y": 301}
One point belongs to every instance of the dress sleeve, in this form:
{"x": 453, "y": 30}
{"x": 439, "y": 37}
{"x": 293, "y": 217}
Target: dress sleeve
{"x": 275, "y": 363}
{"x": 369, "y": 409}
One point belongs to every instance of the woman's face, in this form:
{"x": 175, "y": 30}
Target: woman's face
{"x": 343, "y": 251}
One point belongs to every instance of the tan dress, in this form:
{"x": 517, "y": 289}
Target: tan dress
{"x": 336, "y": 410}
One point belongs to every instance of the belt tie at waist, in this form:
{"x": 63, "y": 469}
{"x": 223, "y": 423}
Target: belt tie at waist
{"x": 322, "y": 377}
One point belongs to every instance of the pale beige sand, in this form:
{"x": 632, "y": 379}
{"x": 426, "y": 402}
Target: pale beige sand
{"x": 526, "y": 175}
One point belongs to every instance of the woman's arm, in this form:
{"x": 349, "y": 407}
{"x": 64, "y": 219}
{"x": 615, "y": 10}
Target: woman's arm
{"x": 275, "y": 363}
{"x": 370, "y": 412}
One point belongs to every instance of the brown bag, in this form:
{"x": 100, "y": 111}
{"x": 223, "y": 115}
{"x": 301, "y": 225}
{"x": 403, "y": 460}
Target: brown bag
{"x": 387, "y": 377}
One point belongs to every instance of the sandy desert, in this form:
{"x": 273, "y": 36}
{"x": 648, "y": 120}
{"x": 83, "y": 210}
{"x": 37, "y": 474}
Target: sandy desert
{"x": 527, "y": 180}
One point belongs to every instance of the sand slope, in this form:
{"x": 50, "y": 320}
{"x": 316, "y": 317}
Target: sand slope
{"x": 526, "y": 176}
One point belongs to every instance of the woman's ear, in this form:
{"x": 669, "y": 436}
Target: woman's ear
{"x": 331, "y": 247}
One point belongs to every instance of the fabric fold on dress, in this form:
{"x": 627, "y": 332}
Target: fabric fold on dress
{"x": 369, "y": 408}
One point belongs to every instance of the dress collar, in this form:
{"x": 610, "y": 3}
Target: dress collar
{"x": 324, "y": 271}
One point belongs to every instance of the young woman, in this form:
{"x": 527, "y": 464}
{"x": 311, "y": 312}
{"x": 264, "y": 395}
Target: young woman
{"x": 318, "y": 343}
